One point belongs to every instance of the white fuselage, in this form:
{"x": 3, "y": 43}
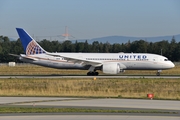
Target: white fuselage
{"x": 129, "y": 61}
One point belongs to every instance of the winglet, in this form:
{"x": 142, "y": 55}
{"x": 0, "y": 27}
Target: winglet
{"x": 30, "y": 46}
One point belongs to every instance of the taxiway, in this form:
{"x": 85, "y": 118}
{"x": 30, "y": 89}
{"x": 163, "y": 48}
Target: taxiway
{"x": 89, "y": 103}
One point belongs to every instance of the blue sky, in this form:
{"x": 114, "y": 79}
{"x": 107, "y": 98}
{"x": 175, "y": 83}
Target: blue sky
{"x": 88, "y": 19}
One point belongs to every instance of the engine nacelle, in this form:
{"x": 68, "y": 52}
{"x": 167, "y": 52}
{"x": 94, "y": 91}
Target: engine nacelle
{"x": 113, "y": 68}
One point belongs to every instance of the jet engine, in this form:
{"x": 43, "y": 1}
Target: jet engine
{"x": 113, "y": 68}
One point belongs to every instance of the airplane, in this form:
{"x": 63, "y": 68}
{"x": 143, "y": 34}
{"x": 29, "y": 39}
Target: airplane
{"x": 108, "y": 63}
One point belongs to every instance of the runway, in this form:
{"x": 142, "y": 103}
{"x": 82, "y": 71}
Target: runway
{"x": 86, "y": 117}
{"x": 91, "y": 103}
{"x": 78, "y": 76}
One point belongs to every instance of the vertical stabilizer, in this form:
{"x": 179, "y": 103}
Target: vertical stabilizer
{"x": 30, "y": 46}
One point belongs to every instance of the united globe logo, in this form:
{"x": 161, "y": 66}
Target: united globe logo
{"x": 33, "y": 48}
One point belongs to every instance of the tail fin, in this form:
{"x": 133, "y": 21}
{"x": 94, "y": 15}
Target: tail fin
{"x": 30, "y": 46}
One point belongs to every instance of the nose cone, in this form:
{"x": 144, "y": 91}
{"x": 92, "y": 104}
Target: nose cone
{"x": 172, "y": 65}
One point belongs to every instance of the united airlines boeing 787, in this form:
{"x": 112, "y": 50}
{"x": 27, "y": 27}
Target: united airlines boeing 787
{"x": 109, "y": 63}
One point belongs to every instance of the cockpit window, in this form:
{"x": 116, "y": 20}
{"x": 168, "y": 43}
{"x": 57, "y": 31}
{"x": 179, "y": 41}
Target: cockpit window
{"x": 166, "y": 60}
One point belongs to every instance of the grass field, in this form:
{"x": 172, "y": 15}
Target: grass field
{"x": 123, "y": 88}
{"x": 74, "y": 110}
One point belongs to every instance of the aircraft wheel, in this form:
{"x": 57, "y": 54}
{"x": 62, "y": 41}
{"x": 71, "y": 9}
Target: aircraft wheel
{"x": 88, "y": 74}
{"x": 96, "y": 73}
{"x": 92, "y": 74}
{"x": 158, "y": 73}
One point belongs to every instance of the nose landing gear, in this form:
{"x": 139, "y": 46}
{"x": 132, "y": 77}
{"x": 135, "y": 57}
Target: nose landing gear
{"x": 158, "y": 72}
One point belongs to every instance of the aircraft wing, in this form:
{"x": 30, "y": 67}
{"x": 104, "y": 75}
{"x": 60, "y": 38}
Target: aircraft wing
{"x": 77, "y": 60}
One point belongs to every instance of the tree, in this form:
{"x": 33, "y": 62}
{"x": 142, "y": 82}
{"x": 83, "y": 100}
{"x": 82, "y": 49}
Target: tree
{"x": 107, "y": 47}
{"x": 47, "y": 45}
{"x": 86, "y": 47}
{"x": 6, "y": 46}
{"x": 116, "y": 48}
{"x": 128, "y": 46}
{"x": 172, "y": 49}
{"x": 67, "y": 46}
{"x": 139, "y": 46}
{"x": 101, "y": 47}
{"x": 95, "y": 47}
{"x": 176, "y": 56}
{"x": 80, "y": 47}
{"x": 160, "y": 47}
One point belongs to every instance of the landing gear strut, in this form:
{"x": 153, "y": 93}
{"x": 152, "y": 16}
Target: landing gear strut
{"x": 92, "y": 73}
{"x": 158, "y": 72}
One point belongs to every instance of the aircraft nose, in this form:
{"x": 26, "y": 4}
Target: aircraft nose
{"x": 172, "y": 65}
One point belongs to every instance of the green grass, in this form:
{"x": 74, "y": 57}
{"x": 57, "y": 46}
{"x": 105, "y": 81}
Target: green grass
{"x": 73, "y": 110}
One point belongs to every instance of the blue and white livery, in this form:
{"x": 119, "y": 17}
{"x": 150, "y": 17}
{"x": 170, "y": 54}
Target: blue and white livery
{"x": 109, "y": 63}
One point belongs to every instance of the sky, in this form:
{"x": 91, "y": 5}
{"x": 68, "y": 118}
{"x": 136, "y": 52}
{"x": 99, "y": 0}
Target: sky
{"x": 87, "y": 19}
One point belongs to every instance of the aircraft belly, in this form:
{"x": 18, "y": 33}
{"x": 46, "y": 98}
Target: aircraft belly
{"x": 26, "y": 60}
{"x": 140, "y": 66}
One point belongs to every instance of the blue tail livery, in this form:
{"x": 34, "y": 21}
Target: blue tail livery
{"x": 30, "y": 46}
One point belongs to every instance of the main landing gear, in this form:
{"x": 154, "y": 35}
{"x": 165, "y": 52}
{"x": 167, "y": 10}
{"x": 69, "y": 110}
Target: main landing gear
{"x": 158, "y": 72}
{"x": 90, "y": 73}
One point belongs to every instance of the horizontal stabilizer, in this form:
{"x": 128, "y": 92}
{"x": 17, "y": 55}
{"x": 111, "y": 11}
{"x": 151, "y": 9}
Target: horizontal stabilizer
{"x": 14, "y": 55}
{"x": 24, "y": 57}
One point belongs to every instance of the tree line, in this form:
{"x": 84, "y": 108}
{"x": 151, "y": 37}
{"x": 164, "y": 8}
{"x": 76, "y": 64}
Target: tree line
{"x": 169, "y": 49}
